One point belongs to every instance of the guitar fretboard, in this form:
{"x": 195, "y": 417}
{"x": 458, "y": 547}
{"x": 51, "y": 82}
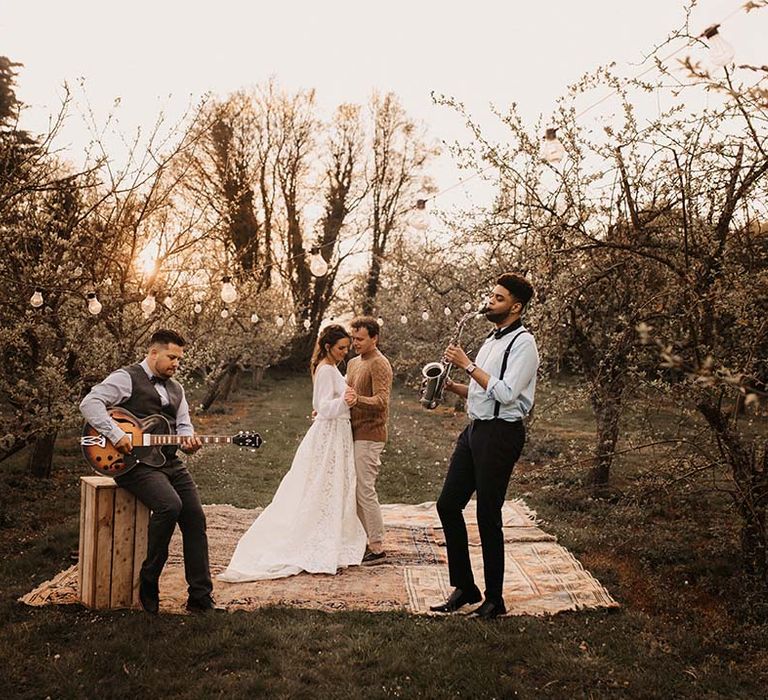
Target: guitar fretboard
{"x": 180, "y": 439}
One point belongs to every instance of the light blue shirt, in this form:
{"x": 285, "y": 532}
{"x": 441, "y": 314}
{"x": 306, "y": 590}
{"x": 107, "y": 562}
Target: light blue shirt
{"x": 115, "y": 389}
{"x": 516, "y": 389}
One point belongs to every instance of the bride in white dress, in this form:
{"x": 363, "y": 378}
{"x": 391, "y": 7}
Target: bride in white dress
{"x": 311, "y": 524}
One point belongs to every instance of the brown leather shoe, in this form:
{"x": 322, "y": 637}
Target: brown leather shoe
{"x": 370, "y": 557}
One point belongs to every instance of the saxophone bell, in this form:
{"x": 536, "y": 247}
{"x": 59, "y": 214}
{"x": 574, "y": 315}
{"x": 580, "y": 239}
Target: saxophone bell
{"x": 433, "y": 375}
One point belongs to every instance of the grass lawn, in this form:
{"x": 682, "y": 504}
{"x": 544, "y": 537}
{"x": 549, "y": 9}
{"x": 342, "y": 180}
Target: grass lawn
{"x": 687, "y": 627}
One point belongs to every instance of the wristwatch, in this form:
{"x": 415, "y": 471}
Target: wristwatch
{"x": 471, "y": 367}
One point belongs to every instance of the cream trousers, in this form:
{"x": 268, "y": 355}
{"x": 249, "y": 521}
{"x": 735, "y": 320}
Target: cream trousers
{"x": 367, "y": 465}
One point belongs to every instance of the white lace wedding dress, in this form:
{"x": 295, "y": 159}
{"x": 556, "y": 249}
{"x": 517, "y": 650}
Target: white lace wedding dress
{"x": 311, "y": 523}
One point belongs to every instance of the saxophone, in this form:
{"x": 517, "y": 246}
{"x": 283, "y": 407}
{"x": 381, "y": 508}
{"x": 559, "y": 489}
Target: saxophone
{"x": 435, "y": 374}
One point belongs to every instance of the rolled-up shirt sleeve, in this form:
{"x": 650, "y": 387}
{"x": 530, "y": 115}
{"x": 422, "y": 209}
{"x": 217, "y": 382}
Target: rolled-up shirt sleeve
{"x": 183, "y": 419}
{"x": 521, "y": 368}
{"x": 112, "y": 391}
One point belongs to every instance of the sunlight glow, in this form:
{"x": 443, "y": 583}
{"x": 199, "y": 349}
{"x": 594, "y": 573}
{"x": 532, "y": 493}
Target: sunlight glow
{"x": 147, "y": 259}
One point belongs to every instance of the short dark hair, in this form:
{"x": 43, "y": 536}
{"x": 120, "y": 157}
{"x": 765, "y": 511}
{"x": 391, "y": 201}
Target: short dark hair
{"x": 164, "y": 336}
{"x": 517, "y": 286}
{"x": 367, "y": 322}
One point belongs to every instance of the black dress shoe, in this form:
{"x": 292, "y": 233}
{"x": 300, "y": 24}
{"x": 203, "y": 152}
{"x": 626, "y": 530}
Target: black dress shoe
{"x": 204, "y": 605}
{"x": 149, "y": 597}
{"x": 489, "y": 610}
{"x": 457, "y": 599}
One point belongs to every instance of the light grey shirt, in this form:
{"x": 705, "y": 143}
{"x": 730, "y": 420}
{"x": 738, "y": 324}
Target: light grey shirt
{"x": 115, "y": 389}
{"x": 516, "y": 389}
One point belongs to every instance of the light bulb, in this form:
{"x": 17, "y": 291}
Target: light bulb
{"x": 447, "y": 311}
{"x": 228, "y": 291}
{"x": 280, "y": 321}
{"x": 403, "y": 319}
{"x": 107, "y": 281}
{"x": 467, "y": 306}
{"x": 552, "y": 150}
{"x": 148, "y": 305}
{"x": 94, "y": 305}
{"x": 307, "y": 324}
{"x": 419, "y": 216}
{"x": 224, "y": 312}
{"x": 254, "y": 317}
{"x": 380, "y": 321}
{"x": 197, "y": 308}
{"x": 317, "y": 265}
{"x": 37, "y": 298}
{"x": 721, "y": 53}
{"x": 77, "y": 271}
{"x": 425, "y": 315}
{"x": 168, "y": 303}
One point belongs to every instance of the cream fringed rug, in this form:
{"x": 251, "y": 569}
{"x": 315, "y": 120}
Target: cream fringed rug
{"x": 541, "y": 577}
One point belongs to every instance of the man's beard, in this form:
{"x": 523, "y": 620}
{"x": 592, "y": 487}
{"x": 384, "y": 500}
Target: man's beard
{"x": 497, "y": 317}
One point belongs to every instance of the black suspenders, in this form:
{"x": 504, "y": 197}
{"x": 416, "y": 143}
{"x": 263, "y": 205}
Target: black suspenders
{"x": 497, "y": 407}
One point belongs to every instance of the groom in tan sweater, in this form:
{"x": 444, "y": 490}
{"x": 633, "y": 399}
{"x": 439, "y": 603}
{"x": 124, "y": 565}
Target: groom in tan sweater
{"x": 370, "y": 375}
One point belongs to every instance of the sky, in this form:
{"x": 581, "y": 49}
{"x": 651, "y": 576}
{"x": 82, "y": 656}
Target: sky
{"x": 162, "y": 54}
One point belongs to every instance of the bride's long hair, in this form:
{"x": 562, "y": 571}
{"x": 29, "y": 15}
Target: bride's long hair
{"x": 329, "y": 336}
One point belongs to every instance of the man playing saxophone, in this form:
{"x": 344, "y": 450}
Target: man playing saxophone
{"x": 499, "y": 395}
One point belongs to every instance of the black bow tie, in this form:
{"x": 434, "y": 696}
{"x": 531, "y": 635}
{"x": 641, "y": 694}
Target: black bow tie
{"x": 157, "y": 380}
{"x": 501, "y": 332}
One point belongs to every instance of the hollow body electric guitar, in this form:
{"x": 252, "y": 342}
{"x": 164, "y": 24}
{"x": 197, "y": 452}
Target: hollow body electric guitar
{"x": 148, "y": 436}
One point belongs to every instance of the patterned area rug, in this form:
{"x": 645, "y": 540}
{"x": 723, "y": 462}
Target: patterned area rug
{"x": 541, "y": 577}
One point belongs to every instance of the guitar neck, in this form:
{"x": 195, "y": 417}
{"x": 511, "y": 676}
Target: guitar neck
{"x": 150, "y": 439}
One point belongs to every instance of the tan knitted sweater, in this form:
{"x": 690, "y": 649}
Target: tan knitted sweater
{"x": 371, "y": 378}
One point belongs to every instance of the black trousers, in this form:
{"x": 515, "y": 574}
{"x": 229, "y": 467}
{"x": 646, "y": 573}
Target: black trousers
{"x": 482, "y": 462}
{"x": 171, "y": 494}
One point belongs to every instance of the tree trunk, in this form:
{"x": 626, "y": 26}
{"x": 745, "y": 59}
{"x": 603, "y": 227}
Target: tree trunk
{"x": 753, "y": 543}
{"x": 372, "y": 286}
{"x": 41, "y": 457}
{"x": 607, "y": 414}
{"x": 229, "y": 385}
{"x": 221, "y": 385}
{"x": 257, "y": 375}
{"x": 301, "y": 352}
{"x": 749, "y": 468}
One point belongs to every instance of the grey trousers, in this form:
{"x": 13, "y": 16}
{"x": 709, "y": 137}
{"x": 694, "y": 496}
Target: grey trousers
{"x": 171, "y": 494}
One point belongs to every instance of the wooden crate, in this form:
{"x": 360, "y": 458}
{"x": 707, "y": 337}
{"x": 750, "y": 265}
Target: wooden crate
{"x": 113, "y": 544}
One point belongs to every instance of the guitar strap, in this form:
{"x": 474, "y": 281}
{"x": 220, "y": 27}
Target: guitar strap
{"x": 497, "y": 406}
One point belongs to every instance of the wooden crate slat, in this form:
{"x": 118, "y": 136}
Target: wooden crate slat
{"x": 88, "y": 537}
{"x": 105, "y": 506}
{"x": 122, "y": 549}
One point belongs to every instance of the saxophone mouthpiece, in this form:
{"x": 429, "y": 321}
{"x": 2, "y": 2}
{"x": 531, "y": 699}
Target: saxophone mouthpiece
{"x": 482, "y": 310}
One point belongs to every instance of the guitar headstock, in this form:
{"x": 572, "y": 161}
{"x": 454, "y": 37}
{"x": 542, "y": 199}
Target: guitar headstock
{"x": 248, "y": 439}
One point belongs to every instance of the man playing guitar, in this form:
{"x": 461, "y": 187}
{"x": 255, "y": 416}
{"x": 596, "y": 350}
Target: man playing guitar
{"x": 144, "y": 389}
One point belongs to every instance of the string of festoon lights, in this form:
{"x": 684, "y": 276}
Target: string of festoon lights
{"x": 720, "y": 54}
